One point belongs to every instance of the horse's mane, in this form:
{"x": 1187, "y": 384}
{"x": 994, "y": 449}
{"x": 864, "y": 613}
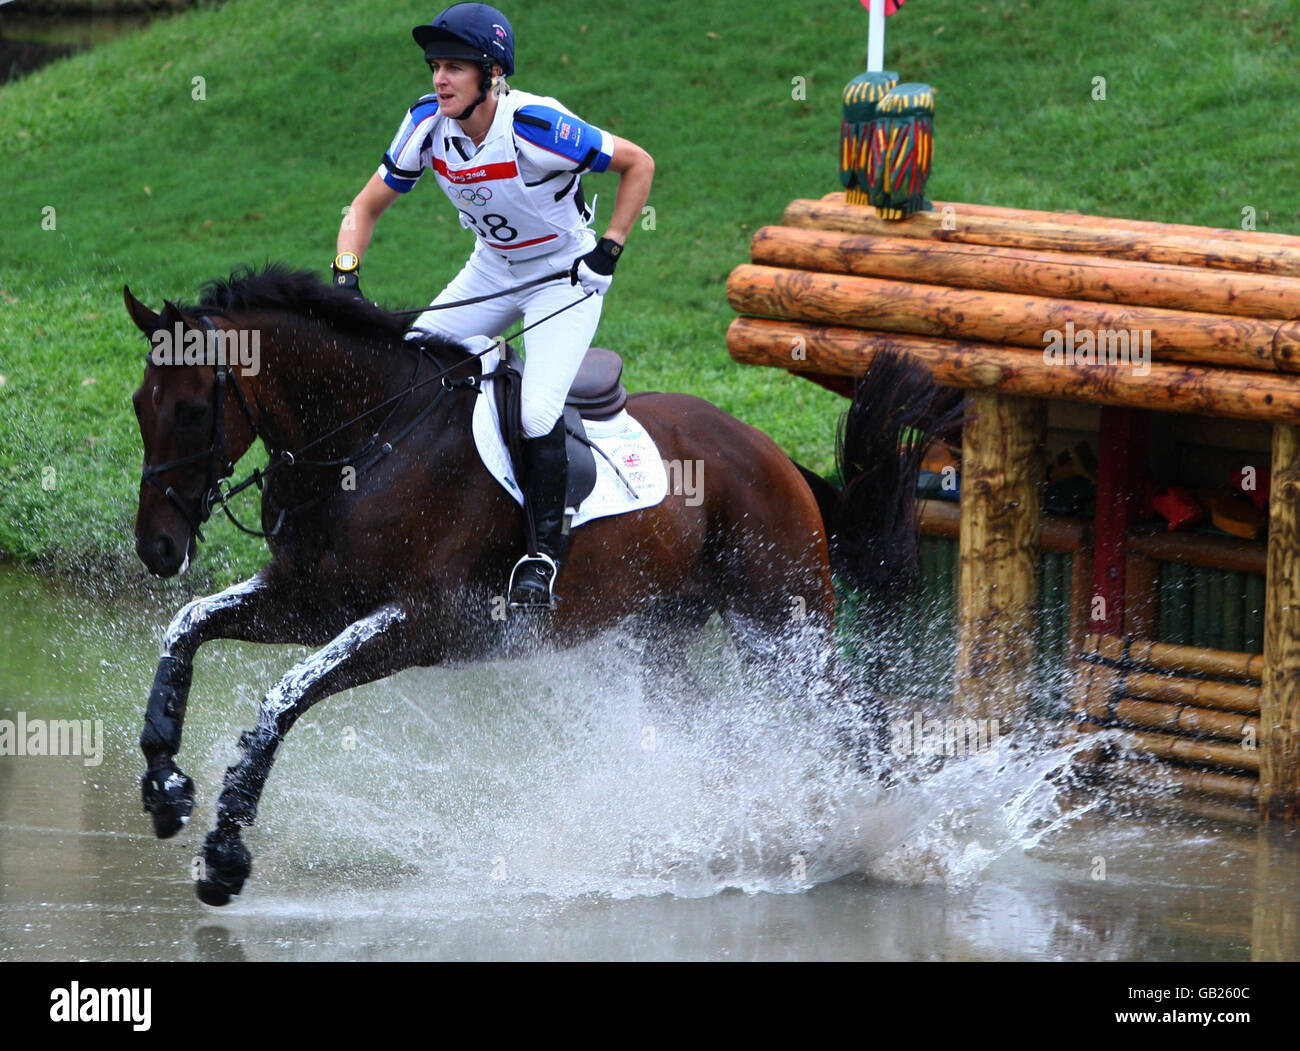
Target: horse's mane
{"x": 279, "y": 287}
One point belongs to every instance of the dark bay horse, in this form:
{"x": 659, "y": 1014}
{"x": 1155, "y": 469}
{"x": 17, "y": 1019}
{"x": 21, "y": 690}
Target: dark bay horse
{"x": 407, "y": 565}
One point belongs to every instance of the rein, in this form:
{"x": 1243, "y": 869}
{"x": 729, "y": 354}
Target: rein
{"x": 220, "y": 466}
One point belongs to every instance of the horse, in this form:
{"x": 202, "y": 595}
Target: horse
{"x": 407, "y": 565}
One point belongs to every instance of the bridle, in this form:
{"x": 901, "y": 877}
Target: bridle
{"x": 220, "y": 466}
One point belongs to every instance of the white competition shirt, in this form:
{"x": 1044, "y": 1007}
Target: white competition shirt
{"x": 518, "y": 191}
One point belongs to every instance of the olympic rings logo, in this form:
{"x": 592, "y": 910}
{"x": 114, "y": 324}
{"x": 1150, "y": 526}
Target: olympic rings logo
{"x": 479, "y": 195}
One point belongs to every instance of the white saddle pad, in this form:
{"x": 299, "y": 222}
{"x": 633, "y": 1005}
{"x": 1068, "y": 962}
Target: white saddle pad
{"x": 621, "y": 438}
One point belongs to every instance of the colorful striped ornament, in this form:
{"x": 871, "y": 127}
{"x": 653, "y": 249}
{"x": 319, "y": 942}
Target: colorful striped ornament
{"x": 861, "y": 96}
{"x": 901, "y": 149}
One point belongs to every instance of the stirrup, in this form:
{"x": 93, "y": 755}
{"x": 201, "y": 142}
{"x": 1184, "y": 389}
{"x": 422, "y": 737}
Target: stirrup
{"x": 543, "y": 559}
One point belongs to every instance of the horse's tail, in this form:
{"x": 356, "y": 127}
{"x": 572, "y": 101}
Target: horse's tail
{"x": 871, "y": 523}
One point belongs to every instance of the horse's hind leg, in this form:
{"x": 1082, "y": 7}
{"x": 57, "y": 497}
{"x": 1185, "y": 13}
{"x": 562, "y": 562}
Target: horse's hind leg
{"x": 368, "y": 649}
{"x": 252, "y": 610}
{"x": 667, "y": 634}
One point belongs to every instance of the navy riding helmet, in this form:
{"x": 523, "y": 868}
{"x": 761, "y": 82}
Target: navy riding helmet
{"x": 478, "y": 32}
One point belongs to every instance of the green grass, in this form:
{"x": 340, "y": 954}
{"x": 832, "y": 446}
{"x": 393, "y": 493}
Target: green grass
{"x": 153, "y": 188}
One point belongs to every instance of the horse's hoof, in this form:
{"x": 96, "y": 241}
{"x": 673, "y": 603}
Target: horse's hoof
{"x": 211, "y": 894}
{"x": 168, "y": 797}
{"x": 226, "y": 864}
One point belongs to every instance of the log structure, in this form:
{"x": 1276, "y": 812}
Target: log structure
{"x": 1022, "y": 307}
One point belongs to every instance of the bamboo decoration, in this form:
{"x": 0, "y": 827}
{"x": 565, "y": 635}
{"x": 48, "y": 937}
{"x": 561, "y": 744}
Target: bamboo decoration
{"x": 902, "y": 147}
{"x": 861, "y": 97}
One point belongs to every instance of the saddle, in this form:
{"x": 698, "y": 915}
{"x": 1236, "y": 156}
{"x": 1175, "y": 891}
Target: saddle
{"x": 597, "y": 394}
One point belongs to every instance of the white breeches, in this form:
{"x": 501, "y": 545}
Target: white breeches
{"x": 554, "y": 349}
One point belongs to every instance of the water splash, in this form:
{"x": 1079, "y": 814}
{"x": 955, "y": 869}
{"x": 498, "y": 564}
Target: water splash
{"x": 558, "y": 778}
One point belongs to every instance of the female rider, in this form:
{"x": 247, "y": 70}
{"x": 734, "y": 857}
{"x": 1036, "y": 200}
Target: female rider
{"x": 511, "y": 163}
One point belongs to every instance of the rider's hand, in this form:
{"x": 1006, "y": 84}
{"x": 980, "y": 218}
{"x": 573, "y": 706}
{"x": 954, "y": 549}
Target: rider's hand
{"x": 595, "y": 270}
{"x": 345, "y": 268}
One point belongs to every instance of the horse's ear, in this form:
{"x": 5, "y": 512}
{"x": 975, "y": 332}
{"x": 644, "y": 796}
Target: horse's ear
{"x": 145, "y": 319}
{"x": 171, "y": 314}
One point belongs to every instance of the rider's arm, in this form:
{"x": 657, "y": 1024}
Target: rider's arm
{"x": 359, "y": 222}
{"x": 636, "y": 171}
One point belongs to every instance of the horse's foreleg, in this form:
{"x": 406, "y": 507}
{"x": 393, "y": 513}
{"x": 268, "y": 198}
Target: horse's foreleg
{"x": 252, "y": 610}
{"x": 369, "y": 649}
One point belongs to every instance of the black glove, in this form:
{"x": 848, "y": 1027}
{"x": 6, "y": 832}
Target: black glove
{"x": 595, "y": 270}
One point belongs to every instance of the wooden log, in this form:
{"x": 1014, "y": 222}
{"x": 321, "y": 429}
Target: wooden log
{"x": 1001, "y": 526}
{"x": 1205, "y": 693}
{"x": 1191, "y": 549}
{"x": 1110, "y": 223}
{"x": 1200, "y": 782}
{"x": 1119, "y": 334}
{"x": 984, "y": 366}
{"x": 1000, "y": 231}
{"x": 1216, "y": 233}
{"x": 1061, "y": 276}
{"x": 1164, "y": 656}
{"x": 1192, "y": 750}
{"x": 1280, "y": 714}
{"x": 1175, "y": 718}
{"x": 1060, "y": 534}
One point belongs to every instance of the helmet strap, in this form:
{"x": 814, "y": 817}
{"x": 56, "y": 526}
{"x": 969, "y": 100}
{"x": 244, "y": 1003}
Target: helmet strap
{"x": 485, "y": 84}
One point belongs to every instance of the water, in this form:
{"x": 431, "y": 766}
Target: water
{"x": 549, "y": 809}
{"x": 29, "y": 40}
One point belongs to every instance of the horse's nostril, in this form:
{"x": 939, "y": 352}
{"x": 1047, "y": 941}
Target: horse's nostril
{"x": 164, "y": 549}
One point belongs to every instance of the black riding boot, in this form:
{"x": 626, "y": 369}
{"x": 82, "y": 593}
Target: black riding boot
{"x": 532, "y": 583}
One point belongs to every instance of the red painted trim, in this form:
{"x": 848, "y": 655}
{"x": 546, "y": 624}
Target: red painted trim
{"x": 1121, "y": 471}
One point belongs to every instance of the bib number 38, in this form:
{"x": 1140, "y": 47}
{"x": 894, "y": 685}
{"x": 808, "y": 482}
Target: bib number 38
{"x": 495, "y": 227}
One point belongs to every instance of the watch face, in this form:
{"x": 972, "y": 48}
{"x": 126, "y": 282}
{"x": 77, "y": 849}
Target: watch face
{"x": 346, "y": 261}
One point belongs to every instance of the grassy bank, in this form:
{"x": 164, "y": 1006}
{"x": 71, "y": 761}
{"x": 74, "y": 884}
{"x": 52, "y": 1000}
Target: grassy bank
{"x": 154, "y": 187}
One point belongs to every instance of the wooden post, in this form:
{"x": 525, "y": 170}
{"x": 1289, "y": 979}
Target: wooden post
{"x": 1001, "y": 527}
{"x": 1275, "y": 915}
{"x": 1141, "y": 596}
{"x": 1279, "y": 788}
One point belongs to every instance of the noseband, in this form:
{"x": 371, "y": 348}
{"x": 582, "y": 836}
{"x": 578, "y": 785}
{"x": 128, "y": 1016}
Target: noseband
{"x": 220, "y": 466}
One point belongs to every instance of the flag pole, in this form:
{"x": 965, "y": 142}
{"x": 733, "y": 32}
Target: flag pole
{"x": 876, "y": 37}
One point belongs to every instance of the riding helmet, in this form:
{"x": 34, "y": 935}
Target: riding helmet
{"x": 478, "y": 32}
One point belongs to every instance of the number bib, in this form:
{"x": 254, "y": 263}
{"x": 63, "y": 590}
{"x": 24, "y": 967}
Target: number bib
{"x": 493, "y": 201}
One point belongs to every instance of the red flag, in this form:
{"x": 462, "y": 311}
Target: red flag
{"x": 890, "y": 5}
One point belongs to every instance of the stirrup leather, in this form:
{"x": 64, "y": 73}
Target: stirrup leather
{"x": 546, "y": 560}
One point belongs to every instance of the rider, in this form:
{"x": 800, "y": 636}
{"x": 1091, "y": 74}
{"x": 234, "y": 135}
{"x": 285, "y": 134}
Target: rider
{"x": 511, "y": 163}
